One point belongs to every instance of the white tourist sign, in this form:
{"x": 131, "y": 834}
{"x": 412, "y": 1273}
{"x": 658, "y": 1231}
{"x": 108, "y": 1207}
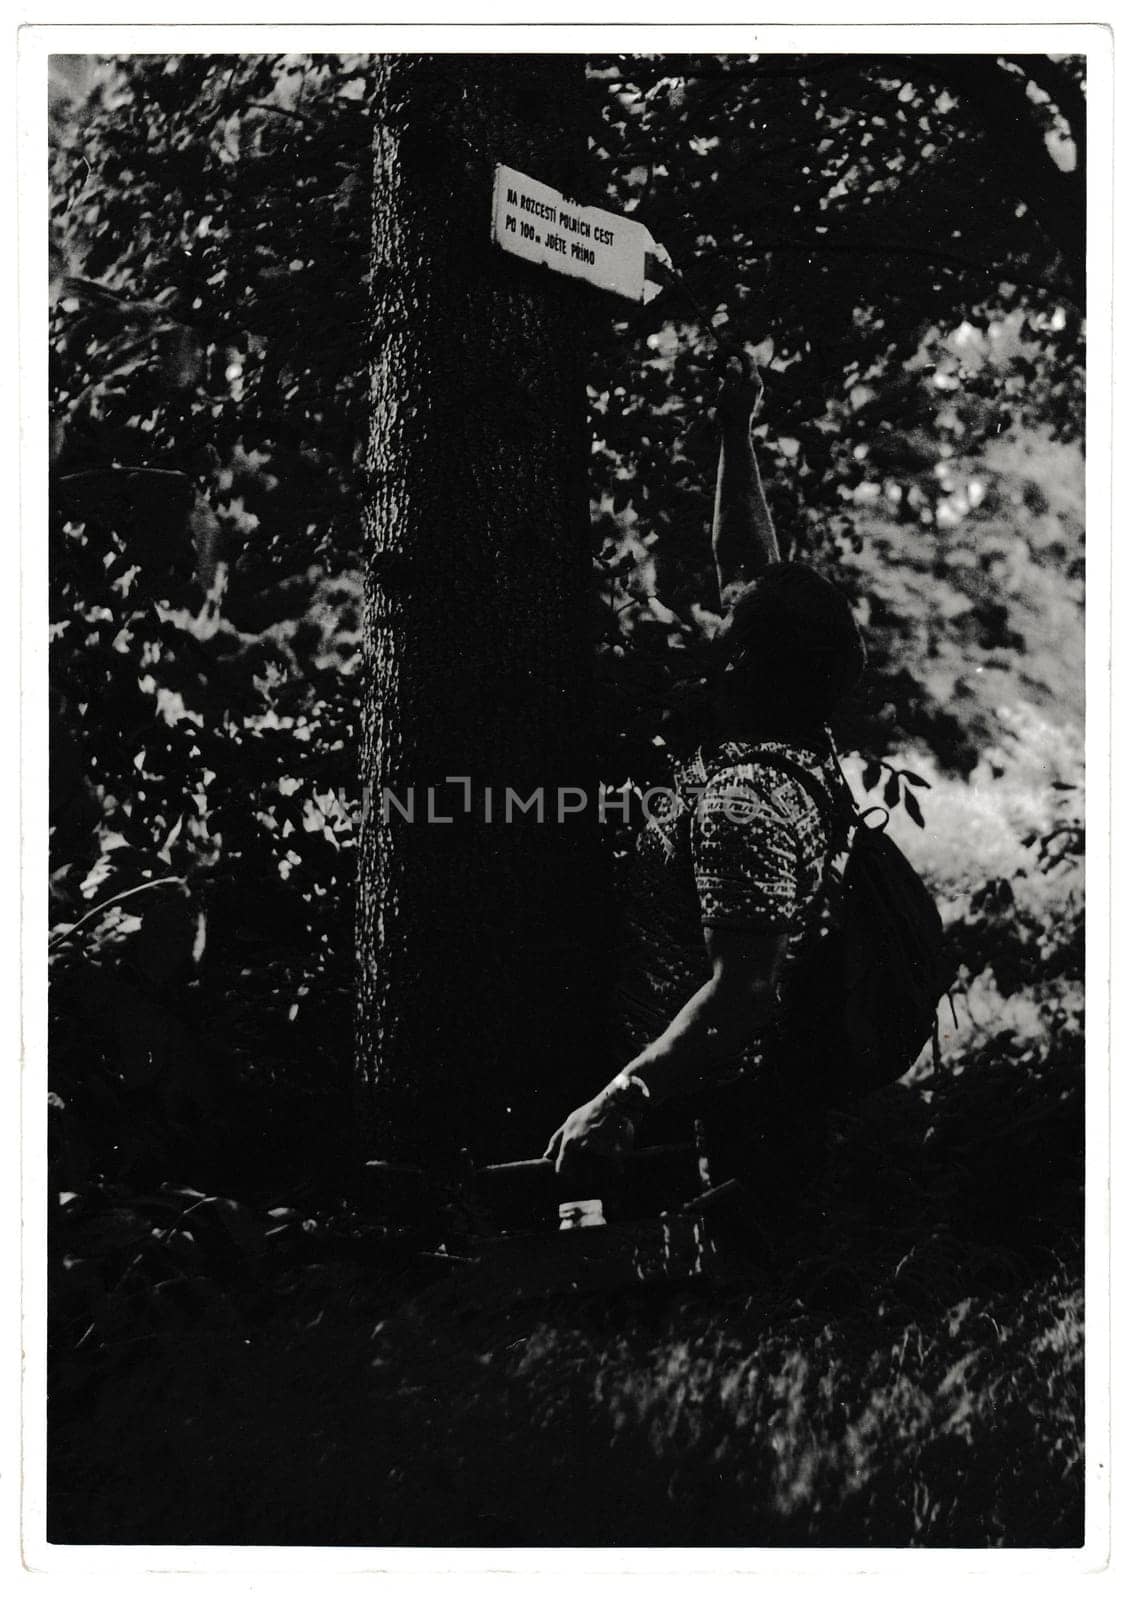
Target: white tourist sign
{"x": 540, "y": 225}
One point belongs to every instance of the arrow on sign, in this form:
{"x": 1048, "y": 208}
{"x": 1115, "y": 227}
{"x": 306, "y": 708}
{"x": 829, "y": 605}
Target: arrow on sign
{"x": 538, "y": 224}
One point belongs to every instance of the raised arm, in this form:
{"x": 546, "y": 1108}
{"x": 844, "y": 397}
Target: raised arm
{"x": 744, "y": 539}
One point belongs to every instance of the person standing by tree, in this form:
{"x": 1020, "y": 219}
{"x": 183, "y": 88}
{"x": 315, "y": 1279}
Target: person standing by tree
{"x": 729, "y": 866}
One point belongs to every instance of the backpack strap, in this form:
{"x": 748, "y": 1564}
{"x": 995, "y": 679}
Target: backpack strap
{"x": 837, "y": 816}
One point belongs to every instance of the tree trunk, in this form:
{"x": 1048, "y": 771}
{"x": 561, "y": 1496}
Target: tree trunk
{"x": 475, "y": 981}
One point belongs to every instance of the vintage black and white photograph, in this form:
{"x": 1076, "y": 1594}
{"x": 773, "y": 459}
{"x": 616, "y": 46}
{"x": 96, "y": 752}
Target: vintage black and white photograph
{"x": 567, "y": 818}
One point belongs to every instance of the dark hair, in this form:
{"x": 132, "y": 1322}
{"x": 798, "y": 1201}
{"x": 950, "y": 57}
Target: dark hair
{"x": 787, "y": 654}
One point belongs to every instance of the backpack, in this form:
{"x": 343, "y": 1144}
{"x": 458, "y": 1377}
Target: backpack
{"x": 863, "y": 1002}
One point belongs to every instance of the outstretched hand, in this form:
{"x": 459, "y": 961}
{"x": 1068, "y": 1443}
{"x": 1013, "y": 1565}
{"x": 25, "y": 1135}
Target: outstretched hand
{"x": 597, "y": 1134}
{"x": 741, "y": 390}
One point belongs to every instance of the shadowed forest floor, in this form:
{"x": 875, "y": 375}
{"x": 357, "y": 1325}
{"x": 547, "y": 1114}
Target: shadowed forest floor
{"x": 912, "y": 1376}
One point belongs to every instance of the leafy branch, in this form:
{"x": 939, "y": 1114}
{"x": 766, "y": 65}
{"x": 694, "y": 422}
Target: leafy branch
{"x": 114, "y": 900}
{"x": 898, "y": 788}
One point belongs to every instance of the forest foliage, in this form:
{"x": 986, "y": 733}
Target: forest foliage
{"x": 912, "y": 290}
{"x": 899, "y": 239}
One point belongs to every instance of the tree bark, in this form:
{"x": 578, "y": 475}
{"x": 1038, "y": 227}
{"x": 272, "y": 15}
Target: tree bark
{"x": 475, "y": 974}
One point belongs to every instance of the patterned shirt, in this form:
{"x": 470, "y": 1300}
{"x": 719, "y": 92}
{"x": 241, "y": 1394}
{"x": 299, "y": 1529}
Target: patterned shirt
{"x": 734, "y": 844}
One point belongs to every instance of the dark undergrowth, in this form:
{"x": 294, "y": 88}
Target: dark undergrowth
{"x": 237, "y": 1372}
{"x": 693, "y": 1421}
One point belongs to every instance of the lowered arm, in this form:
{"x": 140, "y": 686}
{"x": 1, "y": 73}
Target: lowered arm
{"x": 734, "y": 1004}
